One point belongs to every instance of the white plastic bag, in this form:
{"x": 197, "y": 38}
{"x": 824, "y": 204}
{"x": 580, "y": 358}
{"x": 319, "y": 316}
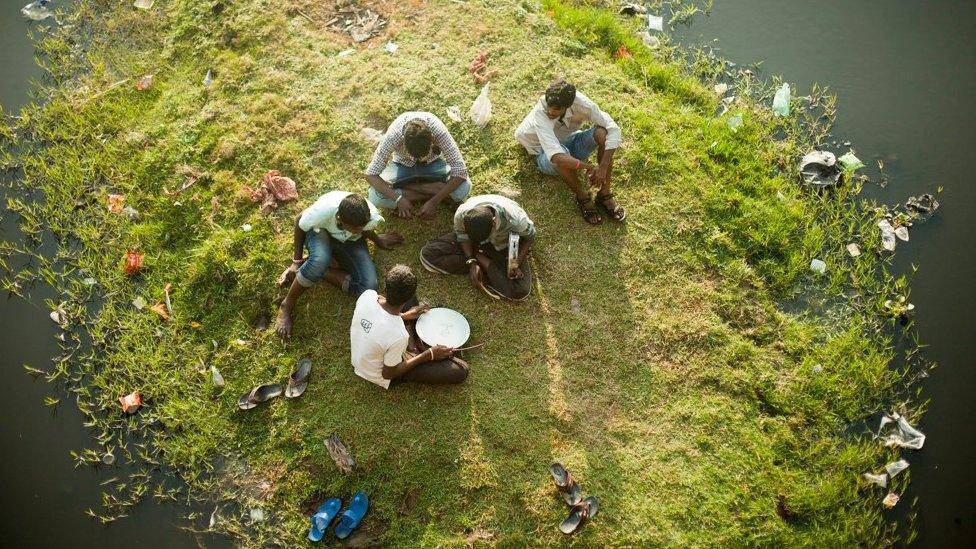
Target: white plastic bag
{"x": 480, "y": 112}
{"x": 896, "y": 467}
{"x": 896, "y": 431}
{"x": 781, "y": 102}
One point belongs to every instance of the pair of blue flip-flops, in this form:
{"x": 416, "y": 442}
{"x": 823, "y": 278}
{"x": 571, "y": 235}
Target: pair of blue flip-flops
{"x": 348, "y": 520}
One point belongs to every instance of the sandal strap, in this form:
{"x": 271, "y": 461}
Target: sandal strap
{"x": 604, "y": 197}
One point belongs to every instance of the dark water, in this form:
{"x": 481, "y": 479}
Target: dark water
{"x": 903, "y": 74}
{"x": 902, "y": 71}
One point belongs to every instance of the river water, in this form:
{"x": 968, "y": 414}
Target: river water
{"x": 902, "y": 73}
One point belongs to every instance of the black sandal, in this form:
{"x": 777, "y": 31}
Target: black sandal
{"x": 616, "y": 214}
{"x": 591, "y": 215}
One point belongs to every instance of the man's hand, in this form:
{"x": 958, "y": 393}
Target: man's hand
{"x": 440, "y": 352}
{"x": 415, "y": 311}
{"x": 516, "y": 273}
{"x": 288, "y": 276}
{"x": 404, "y": 208}
{"x": 427, "y": 210}
{"x": 474, "y": 273}
{"x": 598, "y": 178}
{"x": 389, "y": 240}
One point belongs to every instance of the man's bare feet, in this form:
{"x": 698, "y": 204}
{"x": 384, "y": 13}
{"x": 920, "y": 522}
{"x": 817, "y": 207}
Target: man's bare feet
{"x": 283, "y": 323}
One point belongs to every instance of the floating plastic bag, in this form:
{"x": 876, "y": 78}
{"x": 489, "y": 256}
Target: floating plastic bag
{"x": 881, "y": 480}
{"x": 896, "y": 431}
{"x": 480, "y": 112}
{"x": 36, "y": 11}
{"x": 781, "y": 101}
{"x": 902, "y": 233}
{"x": 850, "y": 162}
{"x": 896, "y": 467}
{"x": 655, "y": 22}
{"x": 819, "y": 169}
{"x": 921, "y": 207}
{"x": 887, "y": 235}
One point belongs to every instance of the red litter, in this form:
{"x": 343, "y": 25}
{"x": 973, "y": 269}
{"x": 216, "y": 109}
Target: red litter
{"x": 131, "y": 402}
{"x": 133, "y": 262}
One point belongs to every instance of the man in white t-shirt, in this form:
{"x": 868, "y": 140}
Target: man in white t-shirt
{"x": 383, "y": 345}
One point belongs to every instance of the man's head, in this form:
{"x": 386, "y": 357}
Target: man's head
{"x": 559, "y": 97}
{"x": 417, "y": 138}
{"x": 478, "y": 222}
{"x": 353, "y": 214}
{"x": 401, "y": 285}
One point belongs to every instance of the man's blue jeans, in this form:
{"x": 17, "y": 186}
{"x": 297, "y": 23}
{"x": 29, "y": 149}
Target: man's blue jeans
{"x": 580, "y": 146}
{"x": 352, "y": 256}
{"x": 400, "y": 176}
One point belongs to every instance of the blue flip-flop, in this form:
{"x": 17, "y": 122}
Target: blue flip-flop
{"x": 323, "y": 517}
{"x": 352, "y": 516}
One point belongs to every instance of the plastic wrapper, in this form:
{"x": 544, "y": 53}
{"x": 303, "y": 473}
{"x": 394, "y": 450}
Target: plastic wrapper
{"x": 480, "y": 111}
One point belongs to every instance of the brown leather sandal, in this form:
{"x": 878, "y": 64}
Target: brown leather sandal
{"x": 568, "y": 488}
{"x": 618, "y": 213}
{"x": 590, "y": 213}
{"x": 579, "y": 514}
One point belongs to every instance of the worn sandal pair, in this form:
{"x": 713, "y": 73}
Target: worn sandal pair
{"x": 580, "y": 510}
{"x": 297, "y": 383}
{"x": 593, "y": 217}
{"x": 348, "y": 520}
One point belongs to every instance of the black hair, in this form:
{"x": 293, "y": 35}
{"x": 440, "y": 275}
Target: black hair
{"x": 560, "y": 94}
{"x": 478, "y": 222}
{"x": 417, "y": 138}
{"x": 354, "y": 211}
{"x": 401, "y": 285}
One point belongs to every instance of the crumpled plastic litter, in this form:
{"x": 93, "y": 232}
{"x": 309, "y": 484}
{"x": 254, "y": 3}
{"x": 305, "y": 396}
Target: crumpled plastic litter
{"x": 131, "y": 213}
{"x": 391, "y": 47}
{"x": 454, "y": 113}
{"x": 902, "y": 233}
{"x": 144, "y": 83}
{"x": 896, "y": 431}
{"x": 116, "y": 203}
{"x": 143, "y": 4}
{"x": 735, "y": 122}
{"x": 208, "y": 78}
{"x": 37, "y": 10}
{"x": 274, "y": 188}
{"x": 480, "y": 112}
{"x": 781, "y": 101}
{"x": 853, "y": 249}
{"x": 819, "y": 169}
{"x": 818, "y": 266}
{"x": 850, "y": 162}
{"x": 881, "y": 480}
{"x": 721, "y": 88}
{"x": 655, "y": 22}
{"x": 340, "y": 454}
{"x": 648, "y": 40}
{"x": 139, "y": 303}
{"x": 218, "y": 380}
{"x": 922, "y": 206}
{"x": 890, "y": 500}
{"x": 133, "y": 262}
{"x": 888, "y": 241}
{"x": 131, "y": 402}
{"x": 896, "y": 467}
{"x": 257, "y": 515}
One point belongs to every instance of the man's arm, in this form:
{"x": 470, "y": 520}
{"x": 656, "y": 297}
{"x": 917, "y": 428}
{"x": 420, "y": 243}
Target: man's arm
{"x": 299, "y": 241}
{"x": 383, "y": 241}
{"x": 437, "y": 352}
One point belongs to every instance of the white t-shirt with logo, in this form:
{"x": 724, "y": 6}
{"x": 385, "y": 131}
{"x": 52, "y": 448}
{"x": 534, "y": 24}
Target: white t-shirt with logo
{"x": 377, "y": 339}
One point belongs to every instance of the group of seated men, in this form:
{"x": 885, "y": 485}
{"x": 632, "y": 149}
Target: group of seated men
{"x": 416, "y": 166}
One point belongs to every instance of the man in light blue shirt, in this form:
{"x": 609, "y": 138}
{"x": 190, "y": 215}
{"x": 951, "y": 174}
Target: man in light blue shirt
{"x": 333, "y": 229}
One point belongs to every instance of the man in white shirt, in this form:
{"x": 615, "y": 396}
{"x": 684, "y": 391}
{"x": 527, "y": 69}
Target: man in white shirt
{"x": 384, "y": 347}
{"x": 479, "y": 247}
{"x": 332, "y": 229}
{"x": 552, "y": 133}
{"x": 417, "y": 162}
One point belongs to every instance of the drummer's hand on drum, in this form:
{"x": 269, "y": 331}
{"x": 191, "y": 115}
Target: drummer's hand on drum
{"x": 440, "y": 352}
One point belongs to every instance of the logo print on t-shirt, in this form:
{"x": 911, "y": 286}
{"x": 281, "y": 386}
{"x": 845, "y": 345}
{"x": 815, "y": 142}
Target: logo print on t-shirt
{"x": 366, "y": 325}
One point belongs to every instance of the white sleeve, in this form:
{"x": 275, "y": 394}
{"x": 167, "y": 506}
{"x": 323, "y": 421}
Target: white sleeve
{"x": 599, "y": 118}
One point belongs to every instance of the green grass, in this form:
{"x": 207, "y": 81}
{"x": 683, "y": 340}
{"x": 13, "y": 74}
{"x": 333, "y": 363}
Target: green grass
{"x": 680, "y": 393}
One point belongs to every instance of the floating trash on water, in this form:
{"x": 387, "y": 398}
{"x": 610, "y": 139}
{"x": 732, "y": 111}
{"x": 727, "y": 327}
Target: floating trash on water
{"x": 881, "y": 480}
{"x": 247, "y": 227}
{"x": 819, "y": 169}
{"x": 735, "y": 122}
{"x": 853, "y": 249}
{"x": 37, "y": 10}
{"x": 391, "y": 47}
{"x": 850, "y": 162}
{"x": 781, "y": 101}
{"x": 888, "y": 241}
{"x": 890, "y": 500}
{"x": 116, "y": 202}
{"x": 108, "y": 458}
{"x": 721, "y": 88}
{"x": 139, "y": 303}
{"x": 655, "y": 22}
{"x": 896, "y": 467}
{"x": 208, "y": 79}
{"x": 922, "y": 206}
{"x": 133, "y": 262}
{"x": 480, "y": 111}
{"x": 371, "y": 134}
{"x": 143, "y": 4}
{"x": 340, "y": 454}
{"x": 344, "y": 53}
{"x": 902, "y": 233}
{"x": 896, "y": 431}
{"x": 257, "y": 515}
{"x": 218, "y": 379}
{"x": 145, "y": 83}
{"x": 131, "y": 402}
{"x": 818, "y": 266}
{"x": 632, "y": 9}
{"x": 58, "y": 316}
{"x": 454, "y": 113}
